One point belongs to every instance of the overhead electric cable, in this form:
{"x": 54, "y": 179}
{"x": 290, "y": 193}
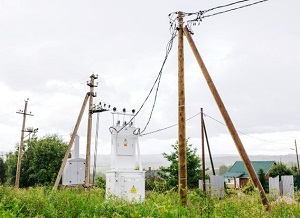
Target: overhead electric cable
{"x": 54, "y": 91}
{"x": 200, "y": 15}
{"x": 206, "y": 115}
{"x": 230, "y": 4}
{"x": 169, "y": 46}
{"x": 168, "y": 127}
{"x": 173, "y": 29}
{"x": 232, "y": 9}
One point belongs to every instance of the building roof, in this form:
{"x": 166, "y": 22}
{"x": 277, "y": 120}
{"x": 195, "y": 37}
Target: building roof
{"x": 238, "y": 169}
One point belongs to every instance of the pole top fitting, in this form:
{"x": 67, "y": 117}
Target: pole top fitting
{"x": 180, "y": 19}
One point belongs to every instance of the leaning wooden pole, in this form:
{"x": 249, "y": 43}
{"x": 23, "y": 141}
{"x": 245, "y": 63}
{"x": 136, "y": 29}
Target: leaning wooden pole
{"x": 203, "y": 153}
{"x": 208, "y": 149}
{"x": 182, "y": 167}
{"x": 228, "y": 121}
{"x": 62, "y": 167}
{"x": 296, "y": 147}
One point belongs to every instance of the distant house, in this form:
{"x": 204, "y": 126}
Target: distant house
{"x": 237, "y": 176}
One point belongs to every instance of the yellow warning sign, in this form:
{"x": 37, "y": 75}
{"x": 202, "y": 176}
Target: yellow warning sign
{"x": 125, "y": 143}
{"x": 133, "y": 190}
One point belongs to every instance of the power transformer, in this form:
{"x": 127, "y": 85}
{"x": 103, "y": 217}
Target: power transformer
{"x": 125, "y": 179}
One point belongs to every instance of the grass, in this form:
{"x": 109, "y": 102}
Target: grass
{"x": 78, "y": 202}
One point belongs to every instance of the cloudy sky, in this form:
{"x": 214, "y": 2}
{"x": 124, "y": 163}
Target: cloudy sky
{"x": 49, "y": 49}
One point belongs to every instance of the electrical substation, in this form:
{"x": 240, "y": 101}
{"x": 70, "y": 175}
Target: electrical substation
{"x": 126, "y": 179}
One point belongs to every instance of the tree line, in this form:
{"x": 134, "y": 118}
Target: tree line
{"x": 42, "y": 158}
{"x": 40, "y": 163}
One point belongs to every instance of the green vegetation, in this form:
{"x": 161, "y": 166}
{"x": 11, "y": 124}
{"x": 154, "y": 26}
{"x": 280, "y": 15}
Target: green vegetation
{"x": 100, "y": 182}
{"x": 3, "y": 167}
{"x": 280, "y": 169}
{"x": 223, "y": 169}
{"x": 194, "y": 171}
{"x": 78, "y": 202}
{"x": 263, "y": 181}
{"x": 41, "y": 161}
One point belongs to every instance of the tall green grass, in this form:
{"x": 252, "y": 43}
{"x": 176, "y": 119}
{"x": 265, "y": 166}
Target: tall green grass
{"x": 78, "y": 202}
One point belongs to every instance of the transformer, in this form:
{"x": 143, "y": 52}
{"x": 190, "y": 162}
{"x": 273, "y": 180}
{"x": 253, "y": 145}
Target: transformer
{"x": 125, "y": 179}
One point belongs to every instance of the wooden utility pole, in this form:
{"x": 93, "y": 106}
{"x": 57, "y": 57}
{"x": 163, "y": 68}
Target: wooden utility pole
{"x": 228, "y": 121}
{"x": 208, "y": 148}
{"x": 203, "y": 153}
{"x": 89, "y": 131}
{"x": 297, "y": 157}
{"x": 17, "y": 182}
{"x": 62, "y": 167}
{"x": 182, "y": 167}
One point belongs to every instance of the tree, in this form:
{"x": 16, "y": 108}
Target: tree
{"x": 3, "y": 169}
{"x": 262, "y": 179}
{"x": 223, "y": 169}
{"x": 280, "y": 169}
{"x": 41, "y": 161}
{"x": 294, "y": 169}
{"x": 194, "y": 171}
{"x": 11, "y": 162}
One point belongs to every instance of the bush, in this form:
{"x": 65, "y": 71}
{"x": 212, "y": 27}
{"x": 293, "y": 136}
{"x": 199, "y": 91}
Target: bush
{"x": 248, "y": 188}
{"x": 100, "y": 182}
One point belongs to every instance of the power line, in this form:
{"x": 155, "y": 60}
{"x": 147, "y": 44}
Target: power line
{"x": 214, "y": 119}
{"x": 206, "y": 115}
{"x": 199, "y": 15}
{"x": 168, "y": 127}
{"x": 173, "y": 29}
{"x": 227, "y": 5}
{"x": 156, "y": 83}
{"x": 54, "y": 91}
{"x": 244, "y": 6}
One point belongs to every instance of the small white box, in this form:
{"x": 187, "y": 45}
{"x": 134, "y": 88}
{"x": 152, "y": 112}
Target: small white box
{"x": 74, "y": 172}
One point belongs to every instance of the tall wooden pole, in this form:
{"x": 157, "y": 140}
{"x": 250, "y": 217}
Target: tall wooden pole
{"x": 297, "y": 157}
{"x": 228, "y": 121}
{"x": 17, "y": 182}
{"x": 203, "y": 153}
{"x": 89, "y": 132}
{"x": 182, "y": 167}
{"x": 62, "y": 167}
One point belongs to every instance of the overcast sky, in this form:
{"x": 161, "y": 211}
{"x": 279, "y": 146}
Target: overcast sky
{"x": 49, "y": 49}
